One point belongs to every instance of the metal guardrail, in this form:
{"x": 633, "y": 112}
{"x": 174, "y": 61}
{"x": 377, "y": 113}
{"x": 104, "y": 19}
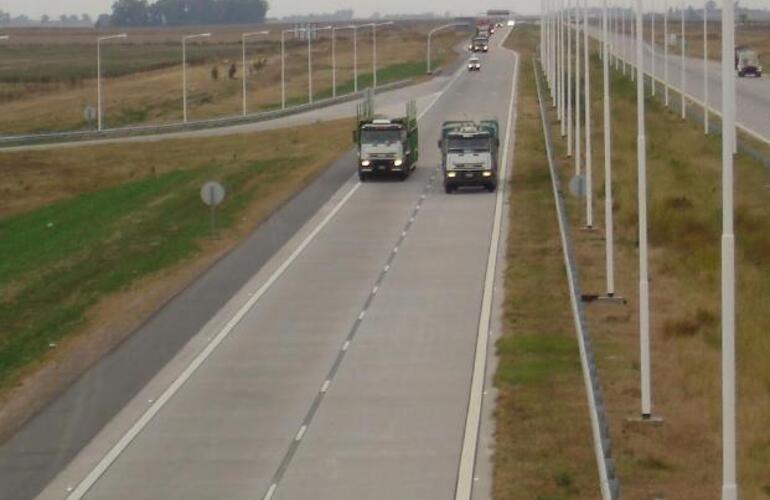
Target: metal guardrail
{"x": 81, "y": 135}
{"x": 608, "y": 481}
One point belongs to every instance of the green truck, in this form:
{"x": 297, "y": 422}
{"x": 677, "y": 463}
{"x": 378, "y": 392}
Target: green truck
{"x": 469, "y": 154}
{"x": 386, "y": 146}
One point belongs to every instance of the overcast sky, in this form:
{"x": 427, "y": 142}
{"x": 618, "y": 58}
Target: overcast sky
{"x": 36, "y": 8}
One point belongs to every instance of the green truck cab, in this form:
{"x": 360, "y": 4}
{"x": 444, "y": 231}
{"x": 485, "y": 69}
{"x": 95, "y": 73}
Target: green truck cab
{"x": 386, "y": 146}
{"x": 469, "y": 154}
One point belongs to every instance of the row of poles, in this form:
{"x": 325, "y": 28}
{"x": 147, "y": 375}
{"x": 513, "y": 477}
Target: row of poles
{"x": 244, "y": 40}
{"x": 562, "y": 23}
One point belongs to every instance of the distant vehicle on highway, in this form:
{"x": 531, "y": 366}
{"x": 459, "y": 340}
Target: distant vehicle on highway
{"x": 511, "y": 23}
{"x": 469, "y": 154}
{"x": 747, "y": 62}
{"x": 386, "y": 146}
{"x": 480, "y": 44}
{"x": 474, "y": 64}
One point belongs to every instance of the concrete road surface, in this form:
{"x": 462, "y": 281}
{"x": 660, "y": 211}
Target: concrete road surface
{"x": 342, "y": 369}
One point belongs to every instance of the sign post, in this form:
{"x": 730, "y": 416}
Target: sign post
{"x": 213, "y": 194}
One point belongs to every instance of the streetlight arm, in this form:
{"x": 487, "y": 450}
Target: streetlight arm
{"x": 436, "y": 30}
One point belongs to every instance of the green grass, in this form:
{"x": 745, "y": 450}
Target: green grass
{"x": 539, "y": 377}
{"x": 59, "y": 260}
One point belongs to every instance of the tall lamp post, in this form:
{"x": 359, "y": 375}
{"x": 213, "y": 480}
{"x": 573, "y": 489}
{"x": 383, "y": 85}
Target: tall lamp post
{"x": 310, "y": 35}
{"x": 684, "y": 49}
{"x": 374, "y": 27}
{"x": 334, "y": 54}
{"x": 99, "y": 74}
{"x": 608, "y": 208}
{"x": 244, "y": 37}
{"x": 705, "y": 67}
{"x": 283, "y": 61}
{"x": 729, "y": 479}
{"x": 430, "y": 37}
{"x": 185, "y": 39}
{"x": 644, "y": 283}
{"x": 665, "y": 53}
{"x": 587, "y": 94}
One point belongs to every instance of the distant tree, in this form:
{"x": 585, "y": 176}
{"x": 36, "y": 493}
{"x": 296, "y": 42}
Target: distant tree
{"x": 86, "y": 19}
{"x": 5, "y": 18}
{"x": 103, "y": 21}
{"x": 130, "y": 13}
{"x": 45, "y": 19}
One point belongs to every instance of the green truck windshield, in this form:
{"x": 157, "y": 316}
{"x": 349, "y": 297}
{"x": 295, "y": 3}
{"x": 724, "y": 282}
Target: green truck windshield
{"x": 380, "y": 136}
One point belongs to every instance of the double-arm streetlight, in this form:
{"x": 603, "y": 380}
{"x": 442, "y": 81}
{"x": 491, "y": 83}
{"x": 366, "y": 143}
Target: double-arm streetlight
{"x": 244, "y": 37}
{"x": 434, "y": 31}
{"x": 309, "y": 37}
{"x": 184, "y": 70}
{"x": 334, "y": 56}
{"x": 374, "y": 27}
{"x": 99, "y": 74}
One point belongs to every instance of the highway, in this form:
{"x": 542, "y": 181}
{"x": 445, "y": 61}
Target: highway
{"x": 340, "y": 354}
{"x": 753, "y": 94}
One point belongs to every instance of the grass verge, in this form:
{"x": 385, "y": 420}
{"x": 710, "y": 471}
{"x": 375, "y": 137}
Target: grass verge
{"x": 110, "y": 220}
{"x": 543, "y": 446}
{"x": 682, "y": 457}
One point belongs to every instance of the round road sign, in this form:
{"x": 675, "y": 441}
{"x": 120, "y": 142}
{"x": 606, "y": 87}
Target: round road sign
{"x": 89, "y": 113}
{"x": 212, "y": 194}
{"x": 577, "y": 186}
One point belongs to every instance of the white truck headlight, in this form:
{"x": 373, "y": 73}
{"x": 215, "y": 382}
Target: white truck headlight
{"x": 365, "y": 163}
{"x": 398, "y": 162}
{"x": 487, "y": 173}
{"x": 451, "y": 174}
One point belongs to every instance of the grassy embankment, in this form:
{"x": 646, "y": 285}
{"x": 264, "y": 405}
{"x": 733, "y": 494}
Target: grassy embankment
{"x": 84, "y": 234}
{"x": 45, "y": 87}
{"x": 543, "y": 440}
{"x": 682, "y": 457}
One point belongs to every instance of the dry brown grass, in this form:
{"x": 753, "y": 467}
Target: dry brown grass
{"x": 543, "y": 445}
{"x": 680, "y": 459}
{"x": 156, "y": 96}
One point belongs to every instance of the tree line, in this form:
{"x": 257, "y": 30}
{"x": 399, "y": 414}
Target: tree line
{"x": 187, "y": 12}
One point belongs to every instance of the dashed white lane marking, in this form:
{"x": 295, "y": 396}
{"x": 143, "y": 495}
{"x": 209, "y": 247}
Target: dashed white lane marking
{"x": 301, "y": 433}
{"x": 326, "y": 385}
{"x": 270, "y": 492}
{"x": 375, "y": 290}
{"x": 345, "y": 346}
{"x": 361, "y": 316}
{"x": 387, "y": 268}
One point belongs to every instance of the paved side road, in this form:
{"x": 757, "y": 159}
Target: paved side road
{"x": 342, "y": 369}
{"x": 752, "y": 94}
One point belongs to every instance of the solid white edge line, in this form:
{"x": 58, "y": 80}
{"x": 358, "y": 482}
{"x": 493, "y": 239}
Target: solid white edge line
{"x": 153, "y": 410}
{"x": 465, "y": 475}
{"x": 101, "y": 467}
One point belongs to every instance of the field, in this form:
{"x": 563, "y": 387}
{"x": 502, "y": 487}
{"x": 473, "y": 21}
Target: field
{"x": 47, "y": 77}
{"x": 680, "y": 458}
{"x": 92, "y": 242}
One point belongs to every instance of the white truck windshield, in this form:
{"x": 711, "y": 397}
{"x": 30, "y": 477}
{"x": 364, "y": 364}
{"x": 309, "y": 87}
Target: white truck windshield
{"x": 474, "y": 144}
{"x": 380, "y": 136}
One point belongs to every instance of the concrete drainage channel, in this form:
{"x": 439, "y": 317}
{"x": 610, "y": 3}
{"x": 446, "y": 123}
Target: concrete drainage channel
{"x": 79, "y": 135}
{"x": 608, "y": 481}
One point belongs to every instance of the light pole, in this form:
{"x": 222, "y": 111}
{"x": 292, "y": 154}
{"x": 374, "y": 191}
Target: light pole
{"x": 99, "y": 74}
{"x": 625, "y": 44}
{"x": 654, "y": 52}
{"x": 587, "y": 94}
{"x": 244, "y": 37}
{"x": 374, "y": 47}
{"x": 578, "y": 135}
{"x": 684, "y": 48}
{"x": 569, "y": 79}
{"x": 310, "y": 34}
{"x": 436, "y": 30}
{"x": 608, "y": 208}
{"x": 563, "y": 75}
{"x": 184, "y": 70}
{"x": 705, "y": 68}
{"x": 729, "y": 479}
{"x": 334, "y": 55}
{"x": 283, "y": 61}
{"x": 665, "y": 52}
{"x": 644, "y": 284}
